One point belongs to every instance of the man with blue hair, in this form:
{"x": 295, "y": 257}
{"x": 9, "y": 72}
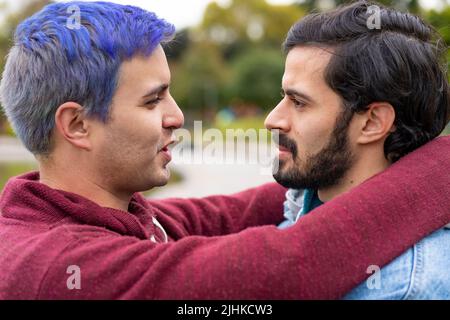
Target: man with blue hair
{"x": 90, "y": 98}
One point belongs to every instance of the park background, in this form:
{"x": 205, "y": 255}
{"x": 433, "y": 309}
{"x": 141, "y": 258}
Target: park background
{"x": 226, "y": 63}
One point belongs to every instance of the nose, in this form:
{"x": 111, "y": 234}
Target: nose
{"x": 278, "y": 118}
{"x": 173, "y": 117}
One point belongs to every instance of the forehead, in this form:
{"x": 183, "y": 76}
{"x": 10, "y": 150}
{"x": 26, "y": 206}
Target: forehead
{"x": 305, "y": 66}
{"x": 140, "y": 72}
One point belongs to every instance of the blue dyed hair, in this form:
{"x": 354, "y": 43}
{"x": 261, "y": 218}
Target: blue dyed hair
{"x": 54, "y": 61}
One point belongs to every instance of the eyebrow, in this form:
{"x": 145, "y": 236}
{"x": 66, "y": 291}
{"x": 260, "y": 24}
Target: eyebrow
{"x": 293, "y": 92}
{"x": 156, "y": 90}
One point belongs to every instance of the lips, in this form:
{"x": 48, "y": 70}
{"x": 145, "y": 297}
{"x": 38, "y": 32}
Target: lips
{"x": 283, "y": 149}
{"x": 165, "y": 148}
{"x": 287, "y": 146}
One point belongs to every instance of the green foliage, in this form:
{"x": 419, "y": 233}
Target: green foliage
{"x": 9, "y": 131}
{"x": 247, "y": 22}
{"x": 441, "y": 21}
{"x": 175, "y": 177}
{"x": 8, "y": 170}
{"x": 257, "y": 77}
{"x": 247, "y": 37}
{"x": 243, "y": 123}
{"x": 199, "y": 78}
{"x": 446, "y": 131}
{"x": 234, "y": 56}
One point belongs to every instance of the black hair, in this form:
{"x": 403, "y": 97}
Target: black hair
{"x": 403, "y": 62}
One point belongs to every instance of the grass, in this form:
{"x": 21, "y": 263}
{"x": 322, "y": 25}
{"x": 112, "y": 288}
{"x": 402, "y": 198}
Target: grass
{"x": 446, "y": 131}
{"x": 242, "y": 123}
{"x": 8, "y": 170}
{"x": 175, "y": 177}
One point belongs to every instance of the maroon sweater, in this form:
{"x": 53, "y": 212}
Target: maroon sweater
{"x": 210, "y": 256}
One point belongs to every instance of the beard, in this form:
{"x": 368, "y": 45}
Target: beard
{"x": 323, "y": 169}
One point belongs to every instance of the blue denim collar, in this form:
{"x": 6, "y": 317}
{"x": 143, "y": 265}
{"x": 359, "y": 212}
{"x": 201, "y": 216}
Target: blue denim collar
{"x": 293, "y": 205}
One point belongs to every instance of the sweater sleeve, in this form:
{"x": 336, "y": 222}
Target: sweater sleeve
{"x": 219, "y": 215}
{"x": 323, "y": 256}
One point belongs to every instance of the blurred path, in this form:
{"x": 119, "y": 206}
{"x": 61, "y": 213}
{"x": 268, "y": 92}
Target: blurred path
{"x": 12, "y": 150}
{"x": 208, "y": 179}
{"x": 198, "y": 179}
{"x": 205, "y": 178}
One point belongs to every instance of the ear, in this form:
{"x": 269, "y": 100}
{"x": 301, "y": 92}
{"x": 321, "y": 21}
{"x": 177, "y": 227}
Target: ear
{"x": 71, "y": 124}
{"x": 376, "y": 123}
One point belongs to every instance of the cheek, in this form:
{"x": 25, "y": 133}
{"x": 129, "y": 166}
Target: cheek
{"x": 144, "y": 131}
{"x": 132, "y": 143}
{"x": 312, "y": 134}
{"x": 354, "y": 130}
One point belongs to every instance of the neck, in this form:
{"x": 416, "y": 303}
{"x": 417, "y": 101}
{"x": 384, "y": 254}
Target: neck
{"x": 364, "y": 168}
{"x": 83, "y": 184}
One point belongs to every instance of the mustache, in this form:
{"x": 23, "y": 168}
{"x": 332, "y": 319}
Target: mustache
{"x": 288, "y": 143}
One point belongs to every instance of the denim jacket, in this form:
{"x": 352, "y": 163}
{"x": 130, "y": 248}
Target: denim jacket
{"x": 421, "y": 272}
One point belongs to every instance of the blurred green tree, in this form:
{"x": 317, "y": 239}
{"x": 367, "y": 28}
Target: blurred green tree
{"x": 233, "y": 56}
{"x": 244, "y": 23}
{"x": 257, "y": 77}
{"x": 199, "y": 79}
{"x": 441, "y": 21}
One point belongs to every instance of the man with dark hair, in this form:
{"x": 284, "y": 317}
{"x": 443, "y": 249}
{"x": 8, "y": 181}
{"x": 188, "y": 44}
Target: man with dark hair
{"x": 90, "y": 98}
{"x": 356, "y": 100}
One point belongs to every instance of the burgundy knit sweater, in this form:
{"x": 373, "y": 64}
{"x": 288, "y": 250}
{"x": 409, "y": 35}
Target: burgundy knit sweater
{"x": 209, "y": 254}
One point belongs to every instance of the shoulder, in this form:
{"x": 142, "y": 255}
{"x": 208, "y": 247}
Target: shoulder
{"x": 430, "y": 278}
{"x": 421, "y": 272}
{"x": 390, "y": 283}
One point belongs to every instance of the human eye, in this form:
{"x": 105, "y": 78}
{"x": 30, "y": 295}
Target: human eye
{"x": 153, "y": 102}
{"x": 298, "y": 103}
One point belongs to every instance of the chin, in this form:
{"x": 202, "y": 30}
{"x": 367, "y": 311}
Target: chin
{"x": 160, "y": 183}
{"x": 283, "y": 166}
{"x": 162, "y": 179}
{"x": 146, "y": 183}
